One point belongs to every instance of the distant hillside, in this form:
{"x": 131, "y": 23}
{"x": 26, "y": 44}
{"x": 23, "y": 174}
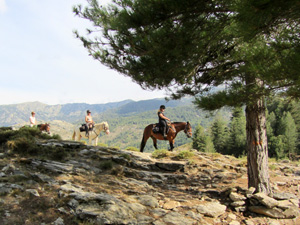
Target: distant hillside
{"x": 20, "y": 113}
{"x": 126, "y": 119}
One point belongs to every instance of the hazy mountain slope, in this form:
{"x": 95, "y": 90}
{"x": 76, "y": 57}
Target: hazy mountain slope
{"x": 153, "y": 104}
{"x": 20, "y": 113}
{"x": 126, "y": 119}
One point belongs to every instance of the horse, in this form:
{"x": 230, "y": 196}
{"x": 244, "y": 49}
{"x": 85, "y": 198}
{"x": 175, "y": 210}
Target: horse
{"x": 172, "y": 133}
{"x": 93, "y": 135}
{"x": 44, "y": 127}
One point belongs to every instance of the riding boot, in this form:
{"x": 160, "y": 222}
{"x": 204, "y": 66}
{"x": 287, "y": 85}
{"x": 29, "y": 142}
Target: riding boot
{"x": 164, "y": 133}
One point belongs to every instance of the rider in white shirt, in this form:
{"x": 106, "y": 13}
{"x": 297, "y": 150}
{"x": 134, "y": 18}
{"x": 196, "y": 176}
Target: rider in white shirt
{"x": 32, "y": 120}
{"x": 89, "y": 122}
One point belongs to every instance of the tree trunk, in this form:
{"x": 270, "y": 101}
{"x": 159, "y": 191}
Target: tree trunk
{"x": 257, "y": 147}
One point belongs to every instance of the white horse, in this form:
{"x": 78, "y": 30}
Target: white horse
{"x": 93, "y": 135}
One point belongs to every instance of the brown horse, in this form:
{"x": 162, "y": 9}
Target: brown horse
{"x": 44, "y": 127}
{"x": 172, "y": 133}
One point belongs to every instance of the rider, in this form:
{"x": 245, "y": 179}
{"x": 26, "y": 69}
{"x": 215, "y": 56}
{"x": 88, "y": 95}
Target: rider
{"x": 89, "y": 123}
{"x": 32, "y": 119}
{"x": 162, "y": 119}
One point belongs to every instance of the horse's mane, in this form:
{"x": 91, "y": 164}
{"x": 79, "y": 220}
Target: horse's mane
{"x": 178, "y": 122}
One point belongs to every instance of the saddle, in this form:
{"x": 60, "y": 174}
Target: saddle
{"x": 159, "y": 129}
{"x": 83, "y": 128}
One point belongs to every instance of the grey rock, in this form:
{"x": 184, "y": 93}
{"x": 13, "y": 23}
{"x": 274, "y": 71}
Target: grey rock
{"x": 158, "y": 212}
{"x": 212, "y": 209}
{"x": 235, "y": 197}
{"x": 148, "y": 200}
{"x": 266, "y": 200}
{"x": 170, "y": 166}
{"x": 284, "y": 196}
{"x": 6, "y": 188}
{"x": 277, "y": 213}
{"x": 238, "y": 203}
{"x": 59, "y": 221}
{"x": 177, "y": 218}
{"x": 33, "y": 192}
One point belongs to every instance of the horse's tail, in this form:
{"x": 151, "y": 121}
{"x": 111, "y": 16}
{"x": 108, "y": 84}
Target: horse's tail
{"x": 142, "y": 143}
{"x": 73, "y": 136}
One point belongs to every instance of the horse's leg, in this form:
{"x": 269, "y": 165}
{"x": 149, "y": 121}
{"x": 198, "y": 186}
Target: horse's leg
{"x": 143, "y": 143}
{"x": 90, "y": 139}
{"x": 154, "y": 142}
{"x": 171, "y": 141}
{"x": 96, "y": 141}
{"x": 73, "y": 136}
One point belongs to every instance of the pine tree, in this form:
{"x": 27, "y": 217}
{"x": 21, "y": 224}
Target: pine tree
{"x": 287, "y": 129}
{"x": 237, "y": 140}
{"x": 202, "y": 141}
{"x": 219, "y": 134}
{"x": 191, "y": 47}
{"x": 277, "y": 146}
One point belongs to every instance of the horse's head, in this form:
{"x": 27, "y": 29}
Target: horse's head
{"x": 47, "y": 128}
{"x": 188, "y": 130}
{"x": 106, "y": 127}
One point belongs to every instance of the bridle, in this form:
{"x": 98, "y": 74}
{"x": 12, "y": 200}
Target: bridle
{"x": 104, "y": 128}
{"x": 188, "y": 133}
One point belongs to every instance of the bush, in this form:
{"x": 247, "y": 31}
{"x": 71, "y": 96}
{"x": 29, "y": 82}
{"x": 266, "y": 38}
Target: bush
{"x": 185, "y": 154}
{"x": 23, "y": 142}
{"x": 102, "y": 145}
{"x": 130, "y": 148}
{"x": 126, "y": 156}
{"x": 158, "y": 154}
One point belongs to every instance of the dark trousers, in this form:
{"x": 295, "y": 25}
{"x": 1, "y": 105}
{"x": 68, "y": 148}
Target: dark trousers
{"x": 163, "y": 125}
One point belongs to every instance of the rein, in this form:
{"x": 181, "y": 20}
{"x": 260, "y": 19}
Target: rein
{"x": 186, "y": 130}
{"x": 104, "y": 128}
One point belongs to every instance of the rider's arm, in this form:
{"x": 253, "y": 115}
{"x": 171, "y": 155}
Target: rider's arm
{"x": 164, "y": 117}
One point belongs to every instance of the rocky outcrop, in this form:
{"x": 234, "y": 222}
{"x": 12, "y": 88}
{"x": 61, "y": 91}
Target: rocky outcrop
{"x": 100, "y": 185}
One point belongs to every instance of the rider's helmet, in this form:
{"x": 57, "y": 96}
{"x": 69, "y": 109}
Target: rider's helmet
{"x": 88, "y": 111}
{"x": 162, "y": 107}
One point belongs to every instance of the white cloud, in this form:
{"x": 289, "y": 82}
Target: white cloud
{"x": 3, "y": 6}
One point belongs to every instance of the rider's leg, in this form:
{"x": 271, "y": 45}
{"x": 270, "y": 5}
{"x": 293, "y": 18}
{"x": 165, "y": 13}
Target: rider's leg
{"x": 86, "y": 130}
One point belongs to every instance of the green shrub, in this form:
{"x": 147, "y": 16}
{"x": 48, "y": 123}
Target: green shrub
{"x": 130, "y": 148}
{"x": 126, "y": 156}
{"x": 102, "y": 145}
{"x": 185, "y": 154}
{"x": 158, "y": 154}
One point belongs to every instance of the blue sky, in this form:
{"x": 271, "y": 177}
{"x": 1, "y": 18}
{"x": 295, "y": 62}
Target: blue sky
{"x": 41, "y": 60}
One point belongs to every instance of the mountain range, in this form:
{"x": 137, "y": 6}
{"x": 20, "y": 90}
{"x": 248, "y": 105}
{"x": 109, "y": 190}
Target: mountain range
{"x": 126, "y": 119}
{"x": 75, "y": 112}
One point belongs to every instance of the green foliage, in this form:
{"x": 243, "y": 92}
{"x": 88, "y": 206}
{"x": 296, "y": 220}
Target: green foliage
{"x": 185, "y": 154}
{"x": 237, "y": 138}
{"x": 130, "y": 148}
{"x": 126, "y": 156}
{"x": 220, "y": 135}
{"x": 202, "y": 141}
{"x": 23, "y": 142}
{"x": 283, "y": 129}
{"x": 101, "y": 144}
{"x": 158, "y": 154}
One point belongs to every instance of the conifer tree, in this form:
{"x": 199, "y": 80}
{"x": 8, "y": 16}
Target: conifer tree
{"x": 287, "y": 129}
{"x": 202, "y": 141}
{"x": 219, "y": 134}
{"x": 191, "y": 47}
{"x": 237, "y": 140}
